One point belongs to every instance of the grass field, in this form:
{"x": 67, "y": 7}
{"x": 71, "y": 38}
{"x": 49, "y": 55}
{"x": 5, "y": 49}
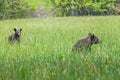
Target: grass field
{"x": 44, "y": 52}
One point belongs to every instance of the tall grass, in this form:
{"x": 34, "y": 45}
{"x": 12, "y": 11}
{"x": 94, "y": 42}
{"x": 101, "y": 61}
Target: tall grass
{"x": 44, "y": 52}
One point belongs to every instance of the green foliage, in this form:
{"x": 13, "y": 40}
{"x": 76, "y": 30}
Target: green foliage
{"x": 83, "y": 7}
{"x": 44, "y": 52}
{"x": 14, "y": 9}
{"x": 21, "y": 8}
{"x": 2, "y": 8}
{"x": 35, "y": 4}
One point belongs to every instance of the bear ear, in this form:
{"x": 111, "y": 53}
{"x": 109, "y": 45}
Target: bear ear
{"x": 15, "y": 29}
{"x": 89, "y": 34}
{"x": 92, "y": 37}
{"x": 21, "y": 29}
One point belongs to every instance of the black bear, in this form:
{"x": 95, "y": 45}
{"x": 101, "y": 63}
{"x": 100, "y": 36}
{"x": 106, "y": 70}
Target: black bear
{"x": 86, "y": 43}
{"x": 15, "y": 36}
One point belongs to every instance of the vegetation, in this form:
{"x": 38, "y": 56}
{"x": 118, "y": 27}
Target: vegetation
{"x": 14, "y": 9}
{"x": 44, "y": 52}
{"x": 37, "y": 3}
{"x": 23, "y": 8}
{"x": 84, "y": 7}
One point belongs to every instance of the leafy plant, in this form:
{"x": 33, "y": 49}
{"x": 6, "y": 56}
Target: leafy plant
{"x": 83, "y": 7}
{"x": 14, "y": 9}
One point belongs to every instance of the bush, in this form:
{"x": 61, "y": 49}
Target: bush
{"x": 2, "y": 8}
{"x": 14, "y": 9}
{"x": 83, "y": 7}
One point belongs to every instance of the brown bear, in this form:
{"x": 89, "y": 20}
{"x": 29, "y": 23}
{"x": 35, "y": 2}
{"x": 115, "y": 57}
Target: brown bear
{"x": 15, "y": 36}
{"x": 86, "y": 43}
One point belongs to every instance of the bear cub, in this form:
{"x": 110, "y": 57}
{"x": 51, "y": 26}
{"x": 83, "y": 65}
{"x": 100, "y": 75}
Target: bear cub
{"x": 86, "y": 43}
{"x": 15, "y": 36}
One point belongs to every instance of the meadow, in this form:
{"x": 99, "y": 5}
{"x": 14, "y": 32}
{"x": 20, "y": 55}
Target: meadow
{"x": 44, "y": 52}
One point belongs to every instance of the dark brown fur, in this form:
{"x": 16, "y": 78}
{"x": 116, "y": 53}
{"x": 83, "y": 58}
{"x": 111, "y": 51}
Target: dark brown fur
{"x": 15, "y": 36}
{"x": 86, "y": 43}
